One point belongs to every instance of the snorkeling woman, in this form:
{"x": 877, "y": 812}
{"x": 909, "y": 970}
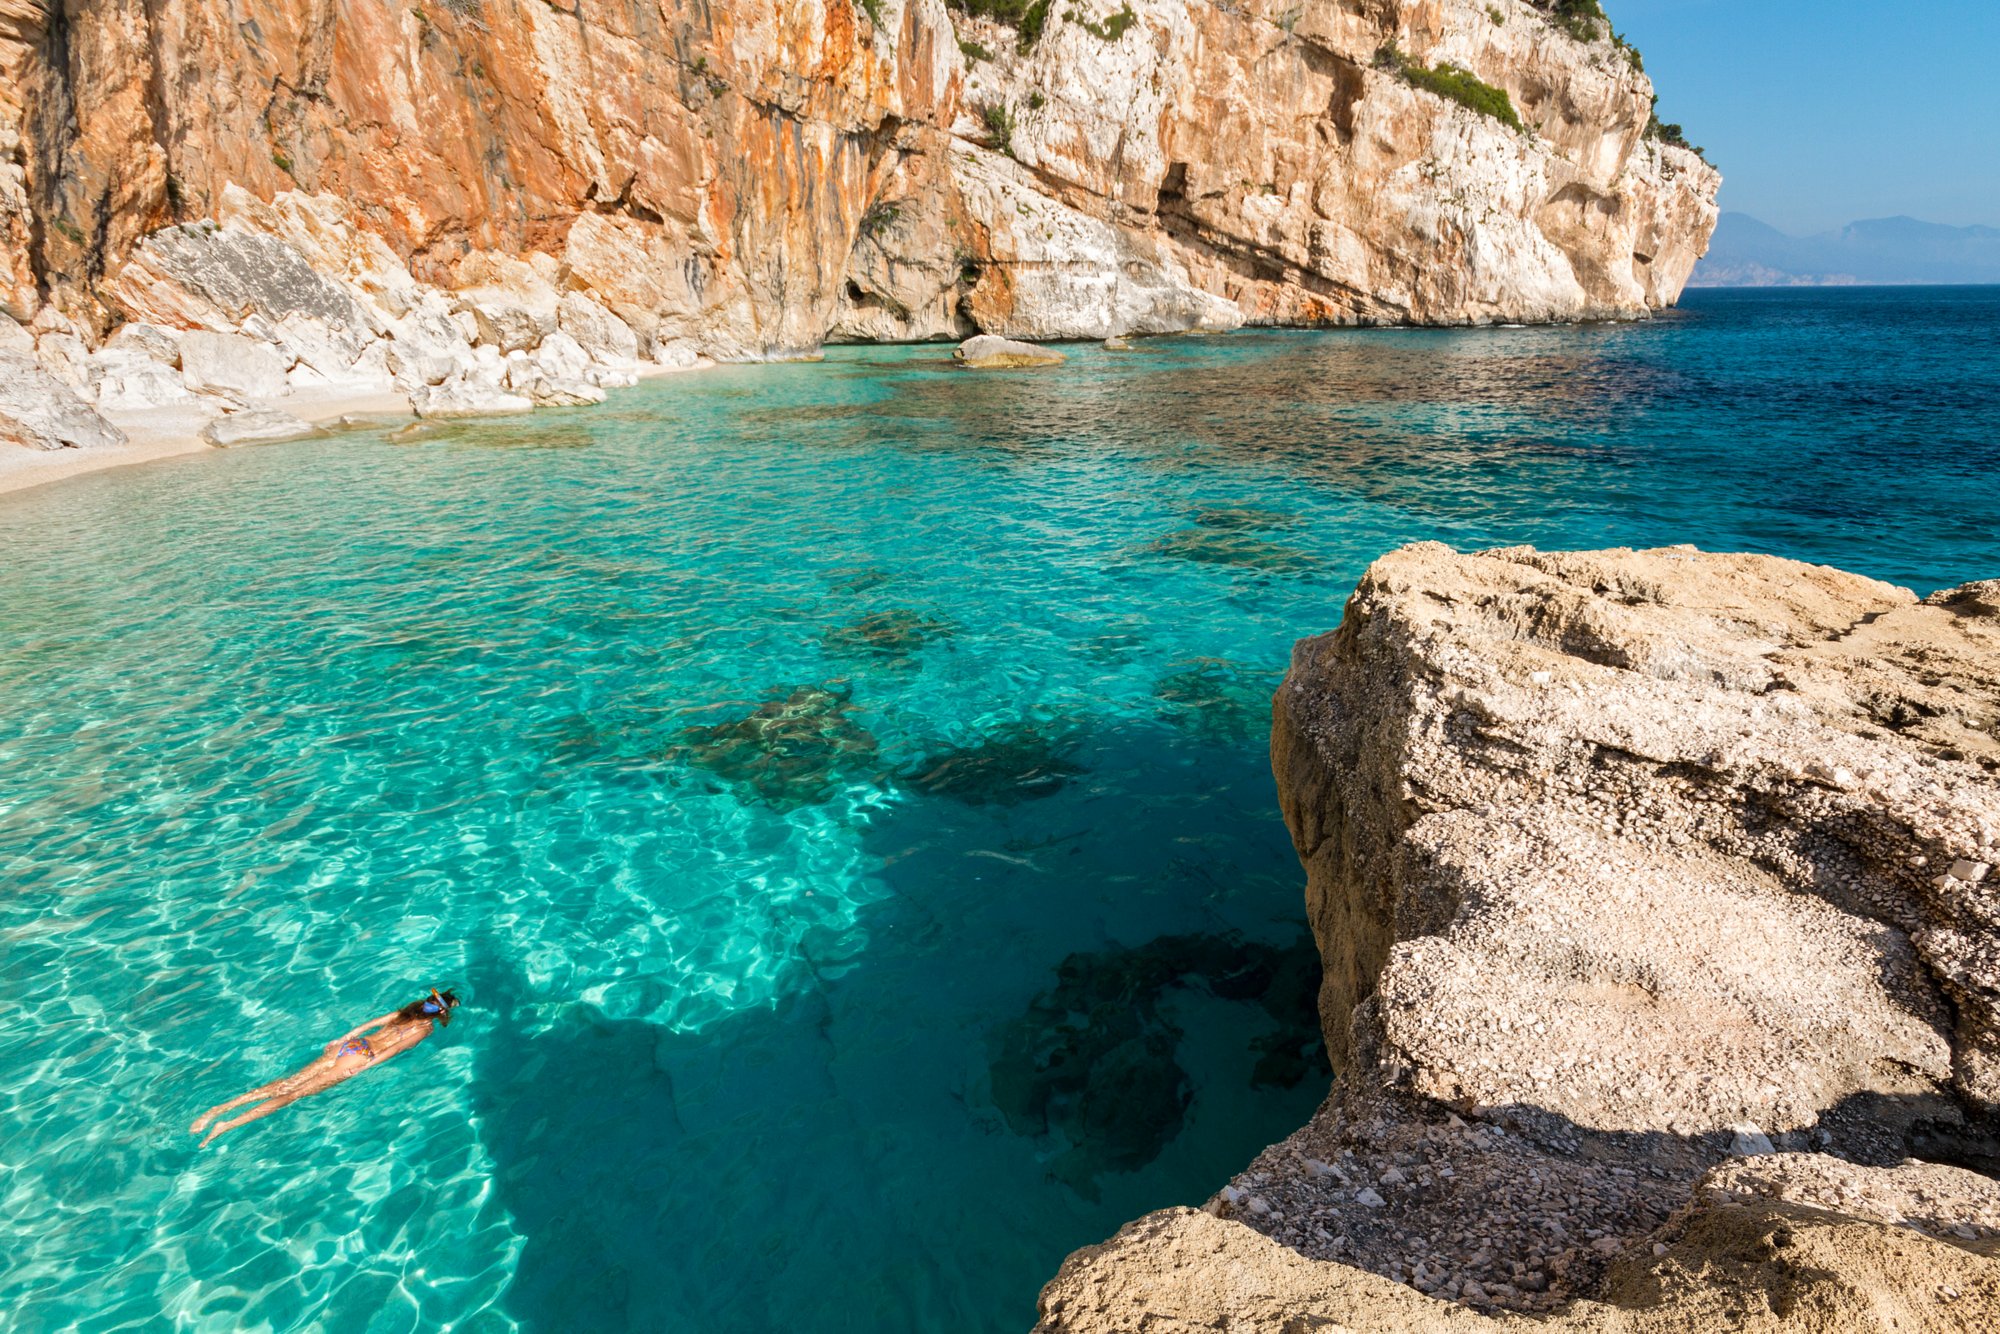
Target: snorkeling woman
{"x": 346, "y": 1056}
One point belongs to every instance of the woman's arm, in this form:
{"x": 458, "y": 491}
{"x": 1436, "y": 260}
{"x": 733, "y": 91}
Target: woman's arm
{"x": 358, "y": 1029}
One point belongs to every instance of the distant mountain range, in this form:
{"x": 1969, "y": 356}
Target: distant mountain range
{"x": 1749, "y": 253}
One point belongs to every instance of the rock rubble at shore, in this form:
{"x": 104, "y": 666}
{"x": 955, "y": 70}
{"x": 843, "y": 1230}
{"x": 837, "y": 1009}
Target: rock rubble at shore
{"x": 1662, "y": 955}
{"x": 288, "y": 300}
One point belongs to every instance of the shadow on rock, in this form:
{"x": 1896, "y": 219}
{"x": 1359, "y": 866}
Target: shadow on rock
{"x": 1093, "y": 1063}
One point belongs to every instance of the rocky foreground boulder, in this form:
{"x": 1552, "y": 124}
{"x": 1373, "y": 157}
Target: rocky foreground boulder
{"x": 1656, "y": 896}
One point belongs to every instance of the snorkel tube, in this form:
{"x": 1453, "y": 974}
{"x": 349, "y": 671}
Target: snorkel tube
{"x": 439, "y": 1004}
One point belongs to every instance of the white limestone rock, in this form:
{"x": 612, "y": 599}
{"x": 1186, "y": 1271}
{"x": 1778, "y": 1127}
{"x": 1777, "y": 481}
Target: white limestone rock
{"x": 561, "y": 357}
{"x": 125, "y": 379}
{"x": 41, "y": 412}
{"x": 508, "y": 328}
{"x": 603, "y": 336}
{"x": 426, "y": 347}
{"x": 14, "y": 338}
{"x": 462, "y": 398}
{"x": 146, "y": 340}
{"x": 231, "y": 367}
{"x": 560, "y": 393}
{"x": 212, "y": 276}
{"x": 671, "y": 354}
{"x": 333, "y": 352}
{"x": 65, "y": 356}
{"x": 1747, "y": 1140}
{"x": 987, "y": 352}
{"x": 256, "y": 426}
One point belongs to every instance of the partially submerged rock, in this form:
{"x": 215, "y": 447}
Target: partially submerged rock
{"x": 466, "y": 398}
{"x": 1623, "y": 865}
{"x": 256, "y": 426}
{"x": 986, "y": 352}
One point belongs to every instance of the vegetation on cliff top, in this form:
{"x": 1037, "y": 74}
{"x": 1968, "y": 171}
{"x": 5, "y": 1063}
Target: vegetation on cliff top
{"x": 1670, "y": 132}
{"x": 1581, "y": 19}
{"x": 1451, "y": 81}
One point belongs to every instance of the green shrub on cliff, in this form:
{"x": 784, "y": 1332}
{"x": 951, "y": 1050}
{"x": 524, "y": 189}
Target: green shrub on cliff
{"x": 1669, "y": 132}
{"x": 1451, "y": 81}
{"x": 1026, "y": 17}
{"x": 1111, "y": 29}
{"x": 1000, "y": 126}
{"x": 1581, "y": 19}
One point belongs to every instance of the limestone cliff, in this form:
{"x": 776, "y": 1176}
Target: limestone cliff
{"x": 751, "y": 179}
{"x": 1662, "y": 958}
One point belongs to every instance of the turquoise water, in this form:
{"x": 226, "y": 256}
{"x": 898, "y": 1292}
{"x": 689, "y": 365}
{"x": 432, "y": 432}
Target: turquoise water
{"x": 838, "y": 789}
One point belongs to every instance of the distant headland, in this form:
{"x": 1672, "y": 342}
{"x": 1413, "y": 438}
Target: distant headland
{"x": 1882, "y": 251}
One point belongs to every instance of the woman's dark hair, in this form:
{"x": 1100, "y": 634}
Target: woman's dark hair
{"x": 429, "y": 1006}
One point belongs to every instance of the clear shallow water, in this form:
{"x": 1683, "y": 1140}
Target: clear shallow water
{"x": 805, "y": 771}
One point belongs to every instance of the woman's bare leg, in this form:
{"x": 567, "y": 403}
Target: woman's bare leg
{"x": 292, "y": 1086}
{"x": 254, "y": 1095}
{"x": 263, "y": 1109}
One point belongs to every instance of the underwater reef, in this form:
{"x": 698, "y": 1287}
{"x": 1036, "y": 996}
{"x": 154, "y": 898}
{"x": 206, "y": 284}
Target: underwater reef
{"x": 1092, "y": 1064}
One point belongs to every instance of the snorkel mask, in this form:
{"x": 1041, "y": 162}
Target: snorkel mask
{"x": 440, "y": 1006}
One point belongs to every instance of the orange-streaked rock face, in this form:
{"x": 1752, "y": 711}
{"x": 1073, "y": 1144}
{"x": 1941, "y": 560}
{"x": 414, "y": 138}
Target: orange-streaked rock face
{"x": 754, "y": 178}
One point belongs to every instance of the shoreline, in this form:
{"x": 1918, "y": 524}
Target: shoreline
{"x": 174, "y": 431}
{"x": 154, "y": 434}
{"x": 159, "y": 433}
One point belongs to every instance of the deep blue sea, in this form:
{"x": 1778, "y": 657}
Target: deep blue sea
{"x": 839, "y": 791}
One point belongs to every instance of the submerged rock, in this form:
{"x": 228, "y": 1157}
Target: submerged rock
{"x": 1236, "y": 517}
{"x": 1215, "y": 699}
{"x": 1232, "y": 546}
{"x": 1011, "y": 764}
{"x": 986, "y": 352}
{"x": 1618, "y": 870}
{"x": 895, "y": 633}
{"x": 1094, "y": 1064}
{"x": 793, "y": 751}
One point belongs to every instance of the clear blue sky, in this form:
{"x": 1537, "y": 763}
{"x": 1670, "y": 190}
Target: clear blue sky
{"x": 1822, "y": 112}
